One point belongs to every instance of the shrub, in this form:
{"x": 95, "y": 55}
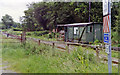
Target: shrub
{"x": 40, "y": 33}
{"x": 96, "y": 41}
{"x": 17, "y": 29}
{"x": 29, "y": 33}
{"x": 83, "y": 56}
{"x": 118, "y": 45}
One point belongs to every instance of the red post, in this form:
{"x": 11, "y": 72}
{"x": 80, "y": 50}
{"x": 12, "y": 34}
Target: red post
{"x": 39, "y": 42}
{"x": 21, "y": 38}
{"x": 53, "y": 44}
{"x": 53, "y": 52}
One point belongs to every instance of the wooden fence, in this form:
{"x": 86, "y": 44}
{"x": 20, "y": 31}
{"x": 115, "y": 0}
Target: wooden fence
{"x": 66, "y": 46}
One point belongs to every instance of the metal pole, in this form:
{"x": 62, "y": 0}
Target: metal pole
{"x": 107, "y": 30}
{"x": 109, "y": 55}
{"x": 89, "y": 10}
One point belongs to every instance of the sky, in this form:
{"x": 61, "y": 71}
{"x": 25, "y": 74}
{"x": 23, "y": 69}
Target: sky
{"x": 14, "y": 8}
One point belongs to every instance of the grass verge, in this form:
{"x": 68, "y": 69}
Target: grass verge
{"x": 31, "y": 58}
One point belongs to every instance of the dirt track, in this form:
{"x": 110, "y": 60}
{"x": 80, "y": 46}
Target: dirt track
{"x": 4, "y": 67}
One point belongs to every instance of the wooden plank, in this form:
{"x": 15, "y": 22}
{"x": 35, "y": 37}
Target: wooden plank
{"x": 7, "y": 38}
{"x": 9, "y": 42}
{"x": 113, "y": 61}
{"x": 61, "y": 47}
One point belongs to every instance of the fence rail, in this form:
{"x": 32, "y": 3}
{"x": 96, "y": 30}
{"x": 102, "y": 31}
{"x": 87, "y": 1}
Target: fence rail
{"x": 66, "y": 46}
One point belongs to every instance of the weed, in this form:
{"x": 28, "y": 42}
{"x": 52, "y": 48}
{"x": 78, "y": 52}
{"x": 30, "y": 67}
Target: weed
{"x": 36, "y": 58}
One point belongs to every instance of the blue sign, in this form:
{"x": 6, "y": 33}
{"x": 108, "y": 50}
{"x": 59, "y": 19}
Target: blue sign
{"x": 106, "y": 38}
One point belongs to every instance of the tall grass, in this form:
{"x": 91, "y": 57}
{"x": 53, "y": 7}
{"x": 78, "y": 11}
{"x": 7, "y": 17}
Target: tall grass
{"x": 43, "y": 35}
{"x": 41, "y": 59}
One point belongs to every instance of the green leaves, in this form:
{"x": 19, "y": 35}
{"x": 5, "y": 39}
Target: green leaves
{"x": 77, "y": 9}
{"x": 46, "y": 15}
{"x": 7, "y": 20}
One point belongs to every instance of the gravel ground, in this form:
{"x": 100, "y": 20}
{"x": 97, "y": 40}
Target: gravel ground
{"x": 3, "y": 69}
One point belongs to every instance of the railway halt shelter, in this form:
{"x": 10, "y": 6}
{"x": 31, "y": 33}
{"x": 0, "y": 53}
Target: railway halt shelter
{"x": 82, "y": 32}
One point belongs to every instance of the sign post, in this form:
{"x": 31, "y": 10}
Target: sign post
{"x": 107, "y": 30}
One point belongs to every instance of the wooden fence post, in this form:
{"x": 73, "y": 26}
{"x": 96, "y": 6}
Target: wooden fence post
{"x": 21, "y": 38}
{"x": 38, "y": 42}
{"x": 97, "y": 54}
{"x": 53, "y": 51}
{"x": 53, "y": 44}
{"x": 68, "y": 48}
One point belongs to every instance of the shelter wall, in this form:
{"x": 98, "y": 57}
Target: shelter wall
{"x": 98, "y": 32}
{"x": 90, "y": 33}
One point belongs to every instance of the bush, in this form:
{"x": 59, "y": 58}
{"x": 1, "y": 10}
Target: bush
{"x": 17, "y": 29}
{"x": 29, "y": 33}
{"x": 84, "y": 56}
{"x": 33, "y": 48}
{"x": 52, "y": 35}
{"x": 40, "y": 33}
{"x": 57, "y": 34}
{"x": 96, "y": 41}
{"x": 118, "y": 45}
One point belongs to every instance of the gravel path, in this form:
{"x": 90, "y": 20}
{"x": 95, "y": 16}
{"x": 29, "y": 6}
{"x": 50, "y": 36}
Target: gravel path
{"x": 4, "y": 66}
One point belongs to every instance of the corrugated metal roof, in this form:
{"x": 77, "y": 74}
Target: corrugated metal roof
{"x": 60, "y": 25}
{"x": 76, "y": 24}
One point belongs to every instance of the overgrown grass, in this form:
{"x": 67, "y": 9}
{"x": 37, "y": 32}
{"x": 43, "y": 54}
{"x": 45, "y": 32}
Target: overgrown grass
{"x": 43, "y": 35}
{"x": 32, "y": 58}
{"x": 113, "y": 53}
{"x": 39, "y": 35}
{"x": 43, "y": 38}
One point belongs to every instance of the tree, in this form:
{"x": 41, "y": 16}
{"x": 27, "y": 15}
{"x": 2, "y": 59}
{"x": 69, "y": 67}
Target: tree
{"x": 43, "y": 14}
{"x": 117, "y": 23}
{"x": 96, "y": 12}
{"x": 47, "y": 15}
{"x": 28, "y": 21}
{"x": 114, "y": 15}
{"x": 7, "y": 21}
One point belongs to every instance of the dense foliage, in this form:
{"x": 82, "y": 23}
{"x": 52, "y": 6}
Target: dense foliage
{"x": 47, "y": 15}
{"x": 8, "y": 22}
